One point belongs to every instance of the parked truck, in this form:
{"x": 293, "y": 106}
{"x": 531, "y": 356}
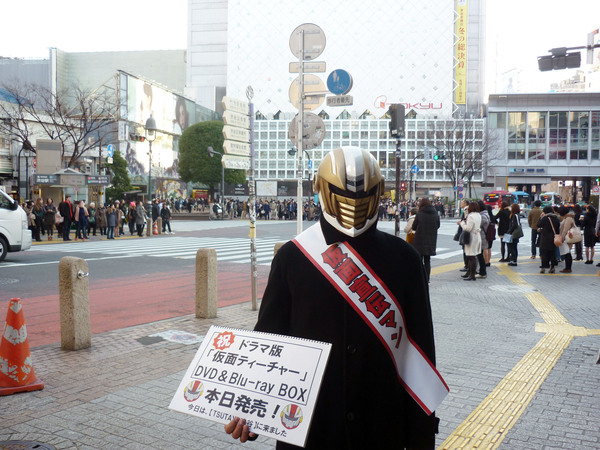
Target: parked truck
{"x": 15, "y": 236}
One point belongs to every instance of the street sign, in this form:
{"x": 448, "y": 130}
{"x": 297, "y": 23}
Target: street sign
{"x": 314, "y": 41}
{"x": 340, "y": 100}
{"x": 45, "y": 179}
{"x": 236, "y": 134}
{"x": 109, "y": 160}
{"x": 98, "y": 179}
{"x": 235, "y": 105}
{"x": 236, "y": 119}
{"x": 236, "y": 148}
{"x": 312, "y": 83}
{"x": 235, "y": 162}
{"x": 460, "y": 195}
{"x": 414, "y": 169}
{"x": 339, "y": 82}
{"x": 110, "y": 150}
{"x": 309, "y": 67}
{"x": 314, "y": 131}
{"x": 310, "y": 164}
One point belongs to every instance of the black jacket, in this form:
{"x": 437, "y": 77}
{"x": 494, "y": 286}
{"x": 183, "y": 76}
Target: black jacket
{"x": 546, "y": 239}
{"x": 503, "y": 218}
{"x": 361, "y": 402}
{"x": 426, "y": 224}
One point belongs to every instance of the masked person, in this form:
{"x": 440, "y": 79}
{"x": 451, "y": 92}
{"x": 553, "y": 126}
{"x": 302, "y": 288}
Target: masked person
{"x": 364, "y": 291}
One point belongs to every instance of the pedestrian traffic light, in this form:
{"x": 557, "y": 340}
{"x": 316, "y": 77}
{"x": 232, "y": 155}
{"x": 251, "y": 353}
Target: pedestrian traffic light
{"x": 403, "y": 186}
{"x": 137, "y": 137}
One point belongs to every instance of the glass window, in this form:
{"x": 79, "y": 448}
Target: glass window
{"x": 497, "y": 120}
{"x": 557, "y": 137}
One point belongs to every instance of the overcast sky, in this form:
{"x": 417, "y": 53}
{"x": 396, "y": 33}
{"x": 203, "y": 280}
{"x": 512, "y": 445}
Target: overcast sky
{"x": 517, "y": 30}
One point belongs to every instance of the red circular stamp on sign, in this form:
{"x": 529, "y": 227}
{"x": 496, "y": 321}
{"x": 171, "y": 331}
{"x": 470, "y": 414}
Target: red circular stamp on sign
{"x": 224, "y": 340}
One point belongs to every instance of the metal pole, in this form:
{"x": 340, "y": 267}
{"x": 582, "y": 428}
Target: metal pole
{"x": 398, "y": 162}
{"x": 149, "y": 171}
{"x": 222, "y": 187}
{"x": 299, "y": 208}
{"x": 252, "y": 211}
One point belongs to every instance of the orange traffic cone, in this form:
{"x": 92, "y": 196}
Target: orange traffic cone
{"x": 155, "y": 227}
{"x": 16, "y": 370}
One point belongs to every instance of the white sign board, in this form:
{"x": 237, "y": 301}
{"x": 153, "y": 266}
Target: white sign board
{"x": 236, "y": 148}
{"x": 272, "y": 381}
{"x": 235, "y": 162}
{"x": 236, "y": 119}
{"x": 233, "y": 104}
{"x": 236, "y": 134}
{"x": 309, "y": 67}
{"x": 340, "y": 100}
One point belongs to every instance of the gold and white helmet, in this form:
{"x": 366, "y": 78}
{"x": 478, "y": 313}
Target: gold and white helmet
{"x": 349, "y": 184}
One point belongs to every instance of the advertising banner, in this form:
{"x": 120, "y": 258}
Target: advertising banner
{"x": 460, "y": 53}
{"x": 270, "y": 380}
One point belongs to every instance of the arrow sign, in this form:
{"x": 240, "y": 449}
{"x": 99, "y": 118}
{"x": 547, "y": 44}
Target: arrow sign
{"x": 235, "y": 162}
{"x": 236, "y": 148}
{"x": 236, "y": 134}
{"x": 236, "y": 119}
{"x": 235, "y": 105}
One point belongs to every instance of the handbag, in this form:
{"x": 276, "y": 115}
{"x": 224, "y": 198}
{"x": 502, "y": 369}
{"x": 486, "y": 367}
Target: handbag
{"x": 457, "y": 234}
{"x": 518, "y": 233}
{"x": 410, "y": 237}
{"x": 465, "y": 238}
{"x": 507, "y": 239}
{"x": 58, "y": 218}
{"x": 574, "y": 236}
{"x": 563, "y": 249}
{"x": 558, "y": 240}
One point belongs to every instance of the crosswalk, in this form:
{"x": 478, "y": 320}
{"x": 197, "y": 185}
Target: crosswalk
{"x": 235, "y": 250}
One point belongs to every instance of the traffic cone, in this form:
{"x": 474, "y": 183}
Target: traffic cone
{"x": 155, "y": 228}
{"x": 16, "y": 369}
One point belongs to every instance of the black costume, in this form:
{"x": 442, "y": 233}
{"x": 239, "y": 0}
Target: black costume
{"x": 361, "y": 402}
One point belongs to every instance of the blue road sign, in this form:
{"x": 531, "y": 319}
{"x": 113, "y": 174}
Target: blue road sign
{"x": 110, "y": 150}
{"x": 310, "y": 163}
{"x": 339, "y": 82}
{"x": 414, "y": 169}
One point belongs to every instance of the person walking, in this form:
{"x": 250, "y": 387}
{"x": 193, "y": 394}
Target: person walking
{"x": 65, "y": 208}
{"x": 49, "y": 217}
{"x": 514, "y": 225}
{"x": 532, "y": 219}
{"x": 548, "y": 226}
{"x": 503, "y": 219}
{"x": 165, "y": 215}
{"x": 567, "y": 222}
{"x": 589, "y": 233}
{"x": 471, "y": 224}
{"x": 131, "y": 218}
{"x": 425, "y": 226}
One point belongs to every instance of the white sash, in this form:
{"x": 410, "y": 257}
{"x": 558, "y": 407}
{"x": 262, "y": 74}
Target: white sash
{"x": 376, "y": 305}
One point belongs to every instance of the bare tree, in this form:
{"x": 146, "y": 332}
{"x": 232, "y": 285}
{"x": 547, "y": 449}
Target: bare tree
{"x": 75, "y": 116}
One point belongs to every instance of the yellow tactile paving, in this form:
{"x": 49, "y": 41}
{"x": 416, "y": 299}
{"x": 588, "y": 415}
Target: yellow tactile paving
{"x": 487, "y": 425}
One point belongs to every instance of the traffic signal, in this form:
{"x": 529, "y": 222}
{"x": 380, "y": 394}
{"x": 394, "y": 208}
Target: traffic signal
{"x": 137, "y": 137}
{"x": 397, "y": 119}
{"x": 438, "y": 156}
{"x": 559, "y": 60}
{"x": 403, "y": 186}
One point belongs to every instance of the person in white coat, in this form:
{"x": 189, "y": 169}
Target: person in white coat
{"x": 472, "y": 224}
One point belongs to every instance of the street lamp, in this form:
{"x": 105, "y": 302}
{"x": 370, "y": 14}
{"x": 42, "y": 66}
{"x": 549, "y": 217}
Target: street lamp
{"x": 211, "y": 153}
{"x": 150, "y": 128}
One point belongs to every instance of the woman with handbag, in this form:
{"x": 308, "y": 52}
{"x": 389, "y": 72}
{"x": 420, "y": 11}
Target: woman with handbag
{"x": 589, "y": 233}
{"x": 516, "y": 232}
{"x": 503, "y": 219}
{"x": 471, "y": 237}
{"x": 410, "y": 234}
{"x": 548, "y": 226}
{"x": 566, "y": 223}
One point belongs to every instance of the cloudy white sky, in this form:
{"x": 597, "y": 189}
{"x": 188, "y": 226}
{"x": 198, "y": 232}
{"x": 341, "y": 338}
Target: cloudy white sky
{"x": 518, "y": 30}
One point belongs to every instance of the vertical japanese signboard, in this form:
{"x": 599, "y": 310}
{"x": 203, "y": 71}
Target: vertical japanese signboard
{"x": 460, "y": 53}
{"x": 272, "y": 381}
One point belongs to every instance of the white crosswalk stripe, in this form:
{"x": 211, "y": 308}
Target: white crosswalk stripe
{"x": 236, "y": 250}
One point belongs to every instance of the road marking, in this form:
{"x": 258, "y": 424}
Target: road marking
{"x": 488, "y": 424}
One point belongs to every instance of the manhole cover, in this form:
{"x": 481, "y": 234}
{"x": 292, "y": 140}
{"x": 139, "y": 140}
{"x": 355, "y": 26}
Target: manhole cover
{"x": 513, "y": 289}
{"x": 14, "y": 445}
{"x": 8, "y": 281}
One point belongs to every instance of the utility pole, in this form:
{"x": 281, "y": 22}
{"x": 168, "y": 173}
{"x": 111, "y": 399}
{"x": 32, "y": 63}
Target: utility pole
{"x": 397, "y": 119}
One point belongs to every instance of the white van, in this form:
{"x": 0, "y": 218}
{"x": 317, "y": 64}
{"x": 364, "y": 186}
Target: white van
{"x": 14, "y": 234}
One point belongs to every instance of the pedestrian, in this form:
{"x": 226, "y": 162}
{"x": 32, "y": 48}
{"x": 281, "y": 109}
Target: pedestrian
{"x": 111, "y": 222}
{"x": 490, "y": 236}
{"x": 38, "y": 212}
{"x": 485, "y": 223}
{"x": 589, "y": 233}
{"x": 503, "y": 219}
{"x": 131, "y": 218}
{"x": 513, "y": 227}
{"x": 532, "y": 219}
{"x": 165, "y": 215}
{"x": 28, "y": 208}
{"x": 578, "y": 218}
{"x": 425, "y": 226}
{"x": 464, "y": 204}
{"x": 410, "y": 233}
{"x": 65, "y": 208}
{"x": 118, "y": 218}
{"x": 101, "y": 219}
{"x": 140, "y": 218}
{"x": 567, "y": 222}
{"x": 49, "y": 217}
{"x": 301, "y": 301}
{"x": 92, "y": 219}
{"x": 548, "y": 226}
{"x": 471, "y": 224}
{"x": 81, "y": 219}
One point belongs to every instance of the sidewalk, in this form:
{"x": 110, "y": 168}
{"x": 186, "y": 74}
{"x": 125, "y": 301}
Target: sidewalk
{"x": 518, "y": 350}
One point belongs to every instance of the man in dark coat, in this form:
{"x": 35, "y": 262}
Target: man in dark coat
{"x": 425, "y": 226}
{"x": 362, "y": 402}
{"x": 65, "y": 208}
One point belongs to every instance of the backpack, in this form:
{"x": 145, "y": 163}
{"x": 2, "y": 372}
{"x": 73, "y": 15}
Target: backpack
{"x": 490, "y": 233}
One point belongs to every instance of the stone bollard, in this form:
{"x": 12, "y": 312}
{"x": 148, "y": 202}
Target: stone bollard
{"x": 149, "y": 226}
{"x": 73, "y": 288}
{"x": 277, "y": 246}
{"x": 159, "y": 222}
{"x": 206, "y": 283}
